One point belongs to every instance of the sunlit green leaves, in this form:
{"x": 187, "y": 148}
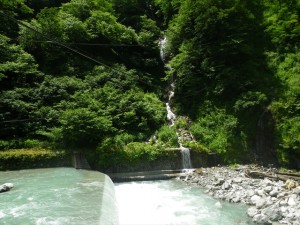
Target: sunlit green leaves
{"x": 282, "y": 23}
{"x": 16, "y": 66}
{"x": 215, "y": 130}
{"x": 104, "y": 27}
{"x": 286, "y": 109}
{"x": 83, "y": 127}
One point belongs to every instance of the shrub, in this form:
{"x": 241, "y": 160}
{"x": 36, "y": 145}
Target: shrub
{"x": 32, "y": 158}
{"x": 218, "y": 132}
{"x": 32, "y": 143}
{"x": 168, "y": 136}
{"x": 137, "y": 151}
{"x": 181, "y": 123}
{"x": 196, "y": 146}
{"x": 9, "y": 144}
{"x": 20, "y": 143}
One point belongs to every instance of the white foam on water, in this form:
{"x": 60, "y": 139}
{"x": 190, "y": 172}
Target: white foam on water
{"x": 18, "y": 211}
{"x": 2, "y": 214}
{"x": 172, "y": 203}
{"x": 92, "y": 184}
{"x": 51, "y": 221}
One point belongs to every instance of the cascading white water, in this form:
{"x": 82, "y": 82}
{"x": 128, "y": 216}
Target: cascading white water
{"x": 185, "y": 152}
{"x": 173, "y": 202}
{"x": 162, "y": 45}
{"x": 186, "y": 158}
{"x": 170, "y": 115}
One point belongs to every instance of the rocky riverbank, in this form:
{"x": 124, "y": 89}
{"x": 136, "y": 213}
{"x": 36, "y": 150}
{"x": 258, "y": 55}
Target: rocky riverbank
{"x": 270, "y": 201}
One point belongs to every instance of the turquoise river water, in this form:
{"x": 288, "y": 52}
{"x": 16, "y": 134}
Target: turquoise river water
{"x": 65, "y": 196}
{"x": 57, "y": 196}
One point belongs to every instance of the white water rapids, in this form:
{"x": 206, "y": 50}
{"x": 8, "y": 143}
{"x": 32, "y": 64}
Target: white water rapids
{"x": 171, "y": 202}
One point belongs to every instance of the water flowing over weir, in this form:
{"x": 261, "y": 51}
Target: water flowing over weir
{"x": 186, "y": 158}
{"x": 171, "y": 202}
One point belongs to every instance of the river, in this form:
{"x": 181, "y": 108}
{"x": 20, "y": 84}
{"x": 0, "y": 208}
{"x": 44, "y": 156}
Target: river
{"x": 66, "y": 196}
{"x": 57, "y": 196}
{"x": 173, "y": 202}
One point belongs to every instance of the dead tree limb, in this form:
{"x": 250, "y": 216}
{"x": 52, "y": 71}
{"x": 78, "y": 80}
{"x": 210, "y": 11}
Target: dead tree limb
{"x": 283, "y": 177}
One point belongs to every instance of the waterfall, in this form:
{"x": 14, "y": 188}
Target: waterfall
{"x": 185, "y": 152}
{"x": 186, "y": 158}
{"x": 170, "y": 115}
{"x": 162, "y": 45}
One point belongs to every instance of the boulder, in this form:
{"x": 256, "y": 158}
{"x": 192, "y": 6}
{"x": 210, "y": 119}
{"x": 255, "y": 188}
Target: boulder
{"x": 237, "y": 180}
{"x": 252, "y": 211}
{"x": 220, "y": 181}
{"x": 261, "y": 219}
{"x": 218, "y": 205}
{"x": 274, "y": 193}
{"x": 296, "y": 190}
{"x": 260, "y": 192}
{"x": 292, "y": 201}
{"x": 226, "y": 185}
{"x": 272, "y": 213}
{"x": 6, "y": 187}
{"x": 254, "y": 199}
{"x": 268, "y": 189}
{"x": 260, "y": 203}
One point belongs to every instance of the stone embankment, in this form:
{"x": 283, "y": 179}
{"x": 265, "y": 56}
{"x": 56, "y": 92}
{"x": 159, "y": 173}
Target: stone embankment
{"x": 270, "y": 201}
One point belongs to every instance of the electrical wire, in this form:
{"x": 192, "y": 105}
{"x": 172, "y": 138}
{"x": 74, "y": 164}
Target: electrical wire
{"x": 20, "y": 120}
{"x": 95, "y": 44}
{"x": 65, "y": 45}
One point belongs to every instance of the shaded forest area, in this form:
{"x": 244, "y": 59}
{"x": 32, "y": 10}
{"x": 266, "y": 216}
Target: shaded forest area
{"x": 87, "y": 75}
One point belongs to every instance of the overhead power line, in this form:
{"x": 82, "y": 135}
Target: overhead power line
{"x": 21, "y": 120}
{"x": 51, "y": 40}
{"x": 95, "y": 44}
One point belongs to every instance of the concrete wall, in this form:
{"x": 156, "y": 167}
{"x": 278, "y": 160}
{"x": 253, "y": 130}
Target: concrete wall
{"x": 171, "y": 162}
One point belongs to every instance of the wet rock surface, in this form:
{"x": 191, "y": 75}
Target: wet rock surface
{"x": 270, "y": 201}
{"x": 6, "y": 187}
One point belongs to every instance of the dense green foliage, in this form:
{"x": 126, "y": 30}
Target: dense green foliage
{"x": 233, "y": 61}
{"x": 32, "y": 158}
{"x": 87, "y": 75}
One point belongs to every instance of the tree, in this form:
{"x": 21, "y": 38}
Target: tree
{"x": 19, "y": 76}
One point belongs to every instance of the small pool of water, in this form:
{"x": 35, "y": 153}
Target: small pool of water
{"x": 172, "y": 202}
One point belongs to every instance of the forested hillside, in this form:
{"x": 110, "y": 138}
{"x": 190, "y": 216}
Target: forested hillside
{"x": 87, "y": 75}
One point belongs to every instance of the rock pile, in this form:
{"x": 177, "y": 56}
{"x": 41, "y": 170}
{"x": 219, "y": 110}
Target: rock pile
{"x": 271, "y": 202}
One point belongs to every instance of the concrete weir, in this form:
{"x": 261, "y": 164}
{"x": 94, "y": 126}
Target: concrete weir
{"x": 145, "y": 175}
{"x": 161, "y": 169}
{"x": 79, "y": 161}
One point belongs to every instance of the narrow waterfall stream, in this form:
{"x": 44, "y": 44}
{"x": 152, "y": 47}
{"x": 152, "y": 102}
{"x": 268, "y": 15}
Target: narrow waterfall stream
{"x": 185, "y": 152}
{"x": 170, "y": 115}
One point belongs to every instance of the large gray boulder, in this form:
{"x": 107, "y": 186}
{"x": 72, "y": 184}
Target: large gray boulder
{"x": 6, "y": 187}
